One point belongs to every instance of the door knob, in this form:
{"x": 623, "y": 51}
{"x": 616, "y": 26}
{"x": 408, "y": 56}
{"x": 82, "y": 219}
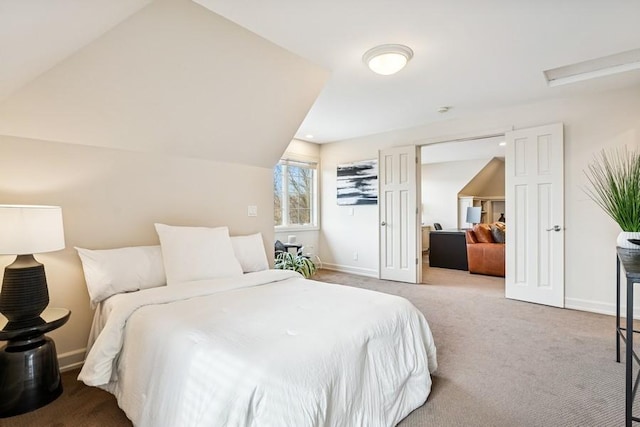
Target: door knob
{"x": 554, "y": 228}
{"x": 383, "y": 223}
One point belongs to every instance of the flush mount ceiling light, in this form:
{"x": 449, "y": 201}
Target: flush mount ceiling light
{"x": 387, "y": 59}
{"x": 605, "y": 66}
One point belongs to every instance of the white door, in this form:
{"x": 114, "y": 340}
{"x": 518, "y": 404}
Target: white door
{"x": 397, "y": 195}
{"x": 535, "y": 215}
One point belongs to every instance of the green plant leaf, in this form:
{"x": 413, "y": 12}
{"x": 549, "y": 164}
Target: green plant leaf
{"x": 615, "y": 186}
{"x": 299, "y": 263}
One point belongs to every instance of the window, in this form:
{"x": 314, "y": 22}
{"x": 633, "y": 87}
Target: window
{"x": 295, "y": 195}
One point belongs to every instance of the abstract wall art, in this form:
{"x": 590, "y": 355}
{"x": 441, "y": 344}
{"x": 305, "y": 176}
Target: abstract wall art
{"x": 357, "y": 183}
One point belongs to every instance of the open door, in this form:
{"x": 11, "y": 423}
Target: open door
{"x": 397, "y": 201}
{"x": 535, "y": 215}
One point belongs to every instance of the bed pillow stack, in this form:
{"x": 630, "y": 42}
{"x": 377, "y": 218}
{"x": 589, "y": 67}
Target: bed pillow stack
{"x": 185, "y": 254}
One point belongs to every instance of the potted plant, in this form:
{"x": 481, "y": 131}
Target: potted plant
{"x": 615, "y": 186}
{"x": 301, "y": 264}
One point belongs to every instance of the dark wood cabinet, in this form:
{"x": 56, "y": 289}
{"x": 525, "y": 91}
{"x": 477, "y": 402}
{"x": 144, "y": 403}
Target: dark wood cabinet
{"x": 448, "y": 249}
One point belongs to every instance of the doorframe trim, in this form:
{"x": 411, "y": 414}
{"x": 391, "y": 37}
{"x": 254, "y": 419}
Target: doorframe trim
{"x": 465, "y": 136}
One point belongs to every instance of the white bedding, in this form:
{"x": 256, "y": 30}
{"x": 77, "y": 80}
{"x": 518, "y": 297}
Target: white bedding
{"x": 266, "y": 349}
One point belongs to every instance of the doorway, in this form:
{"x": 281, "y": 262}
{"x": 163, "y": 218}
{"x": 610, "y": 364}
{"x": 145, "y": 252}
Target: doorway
{"x": 534, "y": 205}
{"x": 457, "y": 175}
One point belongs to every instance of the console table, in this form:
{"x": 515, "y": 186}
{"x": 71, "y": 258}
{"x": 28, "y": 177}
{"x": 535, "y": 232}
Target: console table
{"x": 630, "y": 260}
{"x": 448, "y": 249}
{"x": 29, "y": 372}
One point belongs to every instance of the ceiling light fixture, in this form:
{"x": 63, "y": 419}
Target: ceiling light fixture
{"x": 309, "y": 136}
{"x": 503, "y": 143}
{"x": 387, "y": 59}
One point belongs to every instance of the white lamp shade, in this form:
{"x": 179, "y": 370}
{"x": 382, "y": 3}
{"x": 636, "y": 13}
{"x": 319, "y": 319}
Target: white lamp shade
{"x": 30, "y": 229}
{"x": 473, "y": 214}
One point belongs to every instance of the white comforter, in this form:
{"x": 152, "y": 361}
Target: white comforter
{"x": 266, "y": 349}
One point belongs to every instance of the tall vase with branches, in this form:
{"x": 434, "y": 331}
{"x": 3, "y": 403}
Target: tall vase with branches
{"x": 614, "y": 176}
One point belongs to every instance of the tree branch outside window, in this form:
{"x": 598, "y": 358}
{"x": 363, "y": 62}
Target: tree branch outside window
{"x": 294, "y": 194}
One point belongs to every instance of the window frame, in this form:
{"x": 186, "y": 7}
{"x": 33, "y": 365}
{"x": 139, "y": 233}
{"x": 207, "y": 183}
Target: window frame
{"x": 311, "y": 163}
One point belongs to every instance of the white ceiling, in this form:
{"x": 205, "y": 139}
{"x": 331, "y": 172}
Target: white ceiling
{"x": 470, "y": 55}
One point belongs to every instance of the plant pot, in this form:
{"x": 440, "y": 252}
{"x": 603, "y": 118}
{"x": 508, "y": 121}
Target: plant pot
{"x": 623, "y": 242}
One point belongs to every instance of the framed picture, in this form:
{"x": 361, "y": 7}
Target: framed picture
{"x": 357, "y": 183}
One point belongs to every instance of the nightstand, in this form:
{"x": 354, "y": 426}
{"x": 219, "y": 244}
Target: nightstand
{"x": 29, "y": 372}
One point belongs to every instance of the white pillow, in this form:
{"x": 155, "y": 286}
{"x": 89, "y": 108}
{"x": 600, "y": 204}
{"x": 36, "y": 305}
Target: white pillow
{"x": 250, "y": 253}
{"x": 113, "y": 271}
{"x": 197, "y": 253}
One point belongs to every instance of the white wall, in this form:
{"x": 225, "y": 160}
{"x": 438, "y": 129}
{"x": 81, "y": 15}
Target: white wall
{"x": 347, "y": 232}
{"x": 111, "y": 198}
{"x": 591, "y": 123}
{"x": 441, "y": 183}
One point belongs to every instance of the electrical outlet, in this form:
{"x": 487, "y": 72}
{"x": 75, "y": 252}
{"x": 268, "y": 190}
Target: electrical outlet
{"x": 355, "y": 256}
{"x": 252, "y": 210}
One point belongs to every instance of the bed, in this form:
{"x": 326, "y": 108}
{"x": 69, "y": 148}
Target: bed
{"x": 264, "y": 348}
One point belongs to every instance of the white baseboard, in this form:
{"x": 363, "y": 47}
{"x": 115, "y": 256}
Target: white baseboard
{"x": 369, "y": 272}
{"x": 71, "y": 359}
{"x": 598, "y": 307}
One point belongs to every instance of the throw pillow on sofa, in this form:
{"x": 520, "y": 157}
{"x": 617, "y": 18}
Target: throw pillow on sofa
{"x": 498, "y": 233}
{"x": 483, "y": 233}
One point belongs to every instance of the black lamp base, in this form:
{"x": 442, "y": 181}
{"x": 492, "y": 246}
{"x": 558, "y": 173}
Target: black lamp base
{"x": 24, "y": 292}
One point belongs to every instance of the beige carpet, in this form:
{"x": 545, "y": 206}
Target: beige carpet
{"x": 501, "y": 362}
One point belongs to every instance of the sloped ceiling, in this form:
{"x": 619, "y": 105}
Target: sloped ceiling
{"x": 37, "y": 34}
{"x": 489, "y": 182}
{"x": 174, "y": 78}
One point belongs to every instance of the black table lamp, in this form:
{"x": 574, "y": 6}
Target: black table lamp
{"x": 24, "y": 231}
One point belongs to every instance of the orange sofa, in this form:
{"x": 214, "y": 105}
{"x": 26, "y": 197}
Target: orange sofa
{"x": 484, "y": 254}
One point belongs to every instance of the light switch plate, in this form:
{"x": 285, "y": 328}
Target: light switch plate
{"x": 252, "y": 210}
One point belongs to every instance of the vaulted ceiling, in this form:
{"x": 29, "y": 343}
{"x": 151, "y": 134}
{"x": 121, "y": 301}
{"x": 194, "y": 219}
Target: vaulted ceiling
{"x": 122, "y": 72}
{"x": 169, "y": 77}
